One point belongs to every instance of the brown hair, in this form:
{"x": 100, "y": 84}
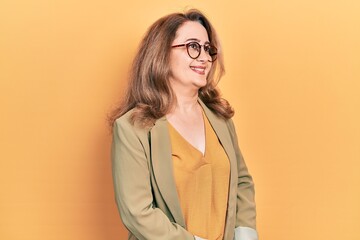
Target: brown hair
{"x": 149, "y": 92}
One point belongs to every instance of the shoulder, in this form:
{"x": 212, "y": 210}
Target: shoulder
{"x": 230, "y": 124}
{"x": 124, "y": 125}
{"x": 212, "y": 114}
{"x": 124, "y": 120}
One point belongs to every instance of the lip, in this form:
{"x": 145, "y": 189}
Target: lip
{"x": 198, "y": 69}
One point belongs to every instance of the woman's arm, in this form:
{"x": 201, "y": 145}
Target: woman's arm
{"x": 245, "y": 204}
{"x": 133, "y": 189}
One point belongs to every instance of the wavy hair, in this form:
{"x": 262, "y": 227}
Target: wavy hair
{"x": 149, "y": 92}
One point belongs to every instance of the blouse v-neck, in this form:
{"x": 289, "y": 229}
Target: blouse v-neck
{"x": 202, "y": 182}
{"x": 187, "y": 142}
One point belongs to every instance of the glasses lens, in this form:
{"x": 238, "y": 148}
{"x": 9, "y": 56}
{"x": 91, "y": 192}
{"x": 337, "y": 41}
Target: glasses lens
{"x": 212, "y": 51}
{"x": 193, "y": 49}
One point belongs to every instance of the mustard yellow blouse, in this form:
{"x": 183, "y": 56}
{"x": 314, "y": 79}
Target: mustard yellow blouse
{"x": 202, "y": 183}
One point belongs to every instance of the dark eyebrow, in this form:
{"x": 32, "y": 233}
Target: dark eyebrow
{"x": 195, "y": 40}
{"x": 192, "y": 40}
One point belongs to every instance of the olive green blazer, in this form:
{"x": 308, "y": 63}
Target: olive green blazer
{"x": 145, "y": 190}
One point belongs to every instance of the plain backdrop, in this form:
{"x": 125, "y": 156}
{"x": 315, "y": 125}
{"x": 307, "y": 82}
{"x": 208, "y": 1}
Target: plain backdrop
{"x": 293, "y": 71}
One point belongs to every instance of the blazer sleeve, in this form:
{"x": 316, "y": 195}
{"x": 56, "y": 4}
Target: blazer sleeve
{"x": 133, "y": 191}
{"x": 245, "y": 204}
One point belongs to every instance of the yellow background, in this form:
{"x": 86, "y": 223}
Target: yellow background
{"x": 293, "y": 71}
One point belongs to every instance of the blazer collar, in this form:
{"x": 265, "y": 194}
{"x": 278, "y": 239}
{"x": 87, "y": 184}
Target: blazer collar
{"x": 161, "y": 161}
{"x": 221, "y": 129}
{"x": 161, "y": 158}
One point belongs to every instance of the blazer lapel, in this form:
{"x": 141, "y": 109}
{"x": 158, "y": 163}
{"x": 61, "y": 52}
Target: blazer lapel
{"x": 161, "y": 160}
{"x": 221, "y": 129}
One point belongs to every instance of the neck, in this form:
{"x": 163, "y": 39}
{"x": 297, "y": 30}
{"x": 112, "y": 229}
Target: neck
{"x": 186, "y": 98}
{"x": 186, "y": 103}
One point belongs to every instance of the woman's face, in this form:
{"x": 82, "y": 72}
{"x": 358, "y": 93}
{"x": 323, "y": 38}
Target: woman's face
{"x": 187, "y": 73}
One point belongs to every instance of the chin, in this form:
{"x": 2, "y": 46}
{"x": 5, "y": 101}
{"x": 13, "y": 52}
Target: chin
{"x": 201, "y": 83}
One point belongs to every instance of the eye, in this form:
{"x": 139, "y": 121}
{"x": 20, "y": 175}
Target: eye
{"x": 207, "y": 48}
{"x": 194, "y": 46}
{"x": 211, "y": 50}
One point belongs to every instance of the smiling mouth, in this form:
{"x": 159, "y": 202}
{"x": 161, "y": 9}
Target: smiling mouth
{"x": 199, "y": 70}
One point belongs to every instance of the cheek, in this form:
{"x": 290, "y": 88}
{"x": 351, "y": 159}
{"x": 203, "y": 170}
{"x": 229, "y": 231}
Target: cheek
{"x": 175, "y": 62}
{"x": 209, "y": 70}
{"x": 172, "y": 66}
{"x": 177, "y": 70}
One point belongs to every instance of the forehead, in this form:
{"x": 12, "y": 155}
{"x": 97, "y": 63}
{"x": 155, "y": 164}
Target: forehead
{"x": 191, "y": 29}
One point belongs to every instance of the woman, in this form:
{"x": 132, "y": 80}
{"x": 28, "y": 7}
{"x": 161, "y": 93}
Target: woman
{"x": 177, "y": 168}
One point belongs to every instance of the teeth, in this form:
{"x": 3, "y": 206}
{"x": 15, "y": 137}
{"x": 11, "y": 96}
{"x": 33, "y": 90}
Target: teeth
{"x": 198, "y": 68}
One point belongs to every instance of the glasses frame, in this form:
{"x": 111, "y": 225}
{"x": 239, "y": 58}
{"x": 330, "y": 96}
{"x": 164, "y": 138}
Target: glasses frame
{"x": 213, "y": 59}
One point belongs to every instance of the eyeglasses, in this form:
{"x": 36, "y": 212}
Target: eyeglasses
{"x": 194, "y": 50}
